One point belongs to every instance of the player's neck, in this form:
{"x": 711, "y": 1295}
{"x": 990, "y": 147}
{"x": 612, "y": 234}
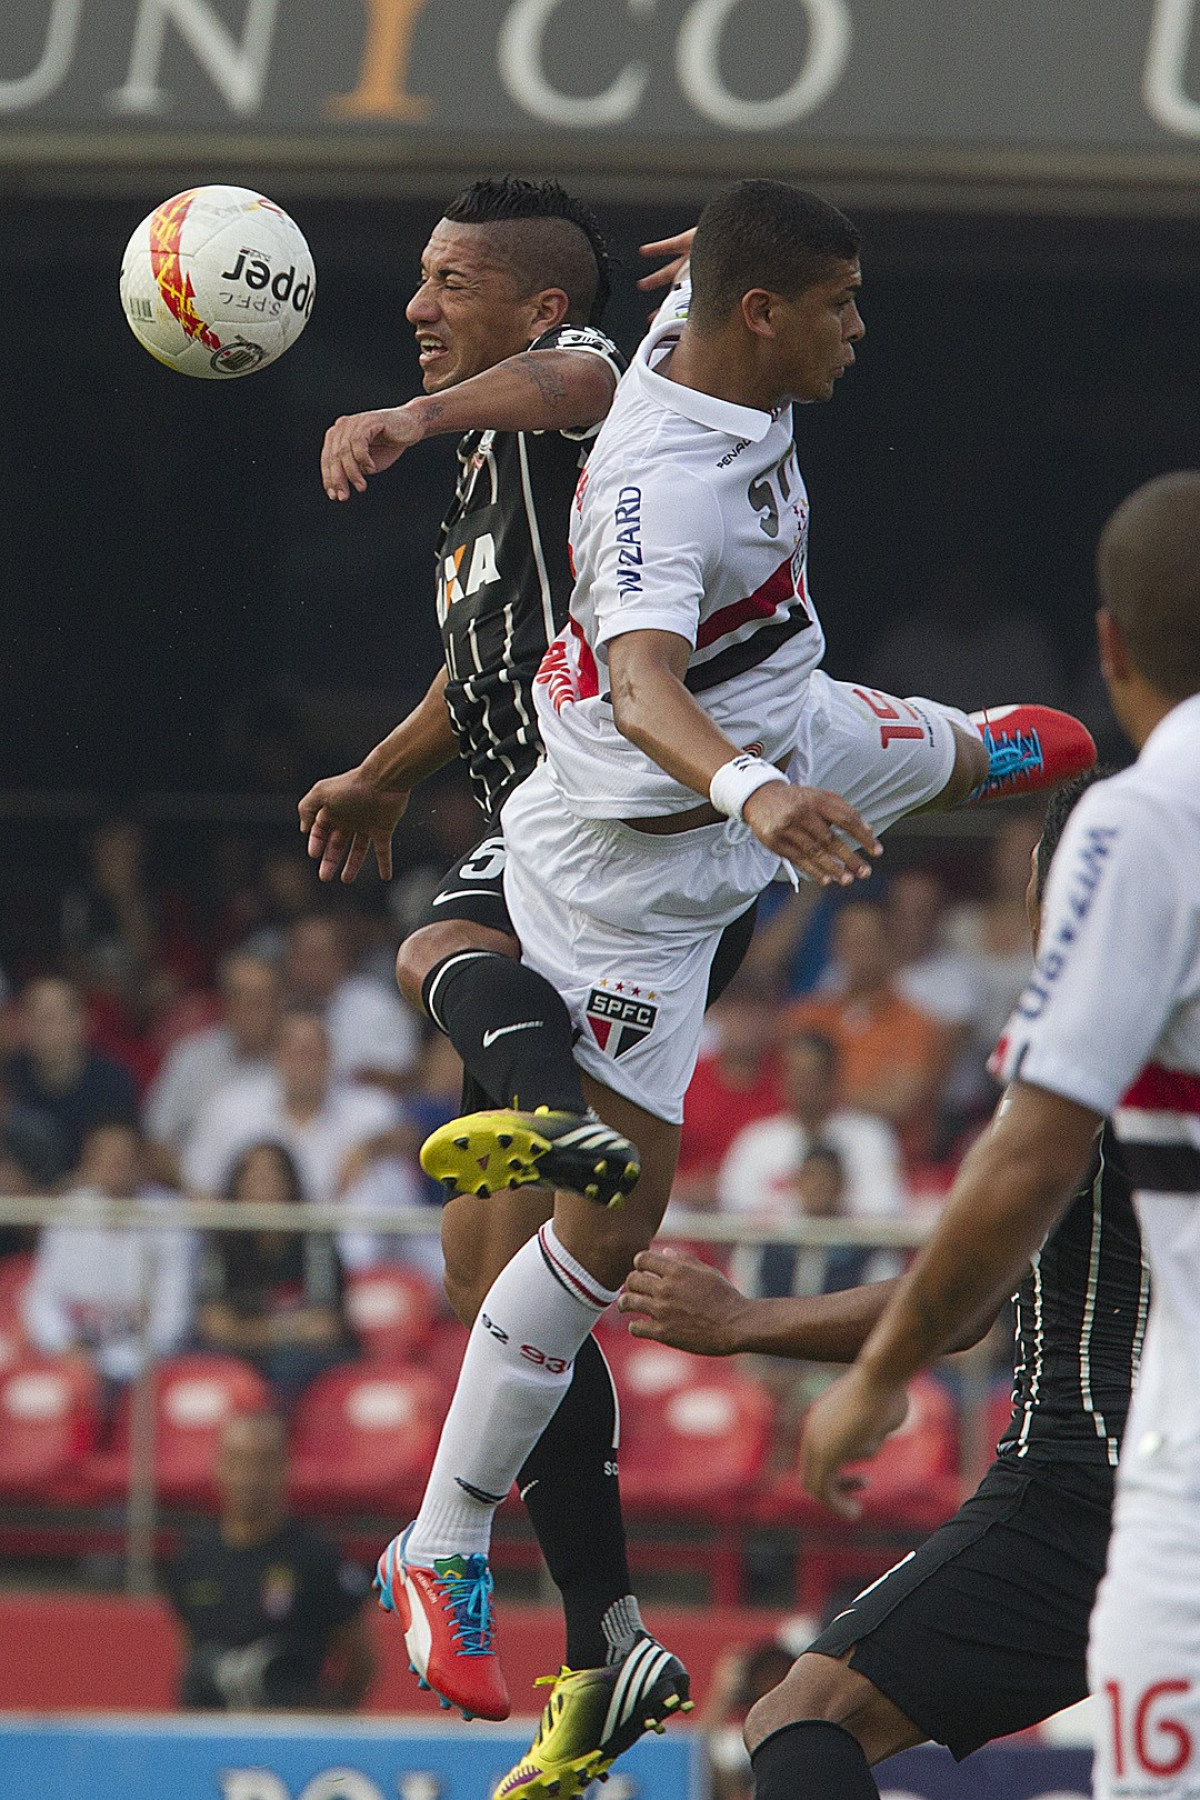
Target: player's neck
{"x": 718, "y": 364}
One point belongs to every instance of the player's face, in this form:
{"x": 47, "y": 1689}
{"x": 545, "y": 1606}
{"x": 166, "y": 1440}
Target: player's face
{"x": 466, "y": 313}
{"x": 816, "y": 334}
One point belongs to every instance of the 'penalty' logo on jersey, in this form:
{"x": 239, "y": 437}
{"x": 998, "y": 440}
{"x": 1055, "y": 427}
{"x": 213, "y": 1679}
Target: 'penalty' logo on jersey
{"x": 620, "y": 1016}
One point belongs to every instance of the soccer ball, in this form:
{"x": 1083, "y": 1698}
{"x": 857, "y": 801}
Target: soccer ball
{"x": 217, "y": 282}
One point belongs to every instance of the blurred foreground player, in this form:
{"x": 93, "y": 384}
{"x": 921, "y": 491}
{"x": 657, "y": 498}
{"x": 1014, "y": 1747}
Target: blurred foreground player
{"x": 514, "y": 282}
{"x": 1011, "y": 1579}
{"x": 691, "y": 636}
{"x": 271, "y": 1614}
{"x": 1109, "y": 1023}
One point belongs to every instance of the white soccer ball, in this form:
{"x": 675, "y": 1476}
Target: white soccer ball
{"x": 217, "y": 282}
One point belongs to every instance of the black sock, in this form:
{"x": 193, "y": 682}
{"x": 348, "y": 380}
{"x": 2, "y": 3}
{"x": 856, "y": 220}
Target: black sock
{"x": 511, "y": 1029}
{"x": 571, "y": 1492}
{"x": 812, "y": 1760}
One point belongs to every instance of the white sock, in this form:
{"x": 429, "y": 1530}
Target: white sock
{"x": 516, "y": 1369}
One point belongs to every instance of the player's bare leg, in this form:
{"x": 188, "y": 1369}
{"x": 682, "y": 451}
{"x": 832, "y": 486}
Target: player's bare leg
{"x": 821, "y": 1731}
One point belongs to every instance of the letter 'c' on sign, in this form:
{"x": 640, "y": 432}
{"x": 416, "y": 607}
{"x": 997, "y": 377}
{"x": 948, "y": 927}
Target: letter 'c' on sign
{"x": 520, "y": 59}
{"x": 697, "y": 66}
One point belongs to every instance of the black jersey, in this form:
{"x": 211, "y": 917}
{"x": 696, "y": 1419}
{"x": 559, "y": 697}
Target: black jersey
{"x": 287, "y": 1596}
{"x": 1080, "y": 1320}
{"x": 504, "y": 581}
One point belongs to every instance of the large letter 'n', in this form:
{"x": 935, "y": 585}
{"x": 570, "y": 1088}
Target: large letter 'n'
{"x": 237, "y": 69}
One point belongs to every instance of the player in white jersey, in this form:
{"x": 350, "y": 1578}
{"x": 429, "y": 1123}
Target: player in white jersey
{"x": 1109, "y": 1023}
{"x": 686, "y": 670}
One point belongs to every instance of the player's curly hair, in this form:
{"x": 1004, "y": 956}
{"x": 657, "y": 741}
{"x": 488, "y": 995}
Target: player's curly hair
{"x": 544, "y": 258}
{"x": 1063, "y": 802}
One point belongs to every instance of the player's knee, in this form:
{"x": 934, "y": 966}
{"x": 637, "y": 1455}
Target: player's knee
{"x": 429, "y": 945}
{"x": 464, "y": 1292}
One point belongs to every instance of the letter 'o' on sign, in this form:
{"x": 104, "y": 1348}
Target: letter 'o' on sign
{"x": 521, "y": 63}
{"x": 697, "y": 66}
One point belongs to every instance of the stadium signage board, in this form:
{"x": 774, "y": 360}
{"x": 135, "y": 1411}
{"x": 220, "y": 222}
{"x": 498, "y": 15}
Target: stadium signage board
{"x": 264, "y": 1758}
{"x": 651, "y": 84}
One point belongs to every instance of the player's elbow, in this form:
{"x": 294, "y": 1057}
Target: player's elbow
{"x": 591, "y": 385}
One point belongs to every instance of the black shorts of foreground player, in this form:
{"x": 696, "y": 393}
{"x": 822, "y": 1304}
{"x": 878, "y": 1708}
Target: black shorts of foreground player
{"x": 1010, "y": 1581}
{"x": 651, "y": 825}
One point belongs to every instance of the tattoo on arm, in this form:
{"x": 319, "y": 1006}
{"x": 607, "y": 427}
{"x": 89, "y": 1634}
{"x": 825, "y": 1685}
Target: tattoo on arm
{"x": 546, "y": 377}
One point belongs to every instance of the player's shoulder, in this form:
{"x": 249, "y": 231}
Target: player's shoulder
{"x": 588, "y": 338}
{"x": 1131, "y": 810}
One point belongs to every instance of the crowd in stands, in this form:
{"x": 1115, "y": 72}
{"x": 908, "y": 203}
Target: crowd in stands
{"x": 271, "y": 1058}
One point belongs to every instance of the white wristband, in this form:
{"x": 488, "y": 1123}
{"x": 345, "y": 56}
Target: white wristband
{"x": 735, "y": 781}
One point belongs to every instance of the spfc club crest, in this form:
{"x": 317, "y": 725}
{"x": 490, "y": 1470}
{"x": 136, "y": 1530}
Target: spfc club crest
{"x": 620, "y": 1016}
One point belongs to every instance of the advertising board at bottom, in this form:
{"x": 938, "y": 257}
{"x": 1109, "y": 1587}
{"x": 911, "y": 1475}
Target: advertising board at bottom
{"x": 111, "y": 1758}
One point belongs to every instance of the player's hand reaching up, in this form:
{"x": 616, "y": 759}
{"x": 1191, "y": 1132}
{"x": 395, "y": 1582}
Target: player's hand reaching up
{"x": 679, "y": 1300}
{"x": 676, "y": 250}
{"x": 365, "y": 444}
{"x": 810, "y": 828}
{"x": 346, "y": 817}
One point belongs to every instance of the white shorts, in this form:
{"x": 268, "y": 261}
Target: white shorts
{"x": 625, "y": 925}
{"x": 1144, "y": 1653}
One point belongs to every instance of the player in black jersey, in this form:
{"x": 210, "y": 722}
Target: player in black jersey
{"x": 983, "y": 1631}
{"x": 514, "y": 280}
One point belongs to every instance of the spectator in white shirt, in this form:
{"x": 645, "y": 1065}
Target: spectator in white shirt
{"x": 759, "y": 1176}
{"x": 373, "y": 1035}
{"x": 349, "y": 1142}
{"x": 199, "y": 1065}
{"x": 112, "y": 1295}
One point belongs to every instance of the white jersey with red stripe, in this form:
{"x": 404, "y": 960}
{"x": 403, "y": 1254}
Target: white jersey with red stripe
{"x": 1111, "y": 1019}
{"x": 691, "y": 517}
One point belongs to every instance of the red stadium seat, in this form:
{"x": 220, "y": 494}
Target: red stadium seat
{"x": 693, "y": 1444}
{"x": 49, "y": 1420}
{"x": 193, "y": 1396}
{"x": 364, "y": 1438}
{"x": 392, "y": 1310}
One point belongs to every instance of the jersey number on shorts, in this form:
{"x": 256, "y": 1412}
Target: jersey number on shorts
{"x": 487, "y": 862}
{"x": 1160, "y": 1745}
{"x": 883, "y": 708}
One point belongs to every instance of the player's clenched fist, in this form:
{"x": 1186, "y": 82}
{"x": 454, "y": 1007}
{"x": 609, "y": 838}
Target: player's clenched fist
{"x": 363, "y": 444}
{"x": 809, "y": 828}
{"x": 847, "y": 1424}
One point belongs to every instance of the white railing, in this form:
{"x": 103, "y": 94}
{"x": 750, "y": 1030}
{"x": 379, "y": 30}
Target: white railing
{"x": 225, "y": 1215}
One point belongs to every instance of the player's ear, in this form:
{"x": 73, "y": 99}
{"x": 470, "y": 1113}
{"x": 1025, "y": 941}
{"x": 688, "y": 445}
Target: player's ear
{"x": 757, "y": 309}
{"x": 549, "y": 308}
{"x": 1115, "y": 661}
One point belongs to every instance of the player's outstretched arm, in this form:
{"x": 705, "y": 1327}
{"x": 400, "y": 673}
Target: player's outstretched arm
{"x": 538, "y": 390}
{"x": 808, "y": 827}
{"x": 675, "y": 1299}
{"x": 347, "y": 816}
{"x": 1011, "y": 1189}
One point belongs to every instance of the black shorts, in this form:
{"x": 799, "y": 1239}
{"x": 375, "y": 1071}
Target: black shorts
{"x": 474, "y": 890}
{"x": 983, "y": 1630}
